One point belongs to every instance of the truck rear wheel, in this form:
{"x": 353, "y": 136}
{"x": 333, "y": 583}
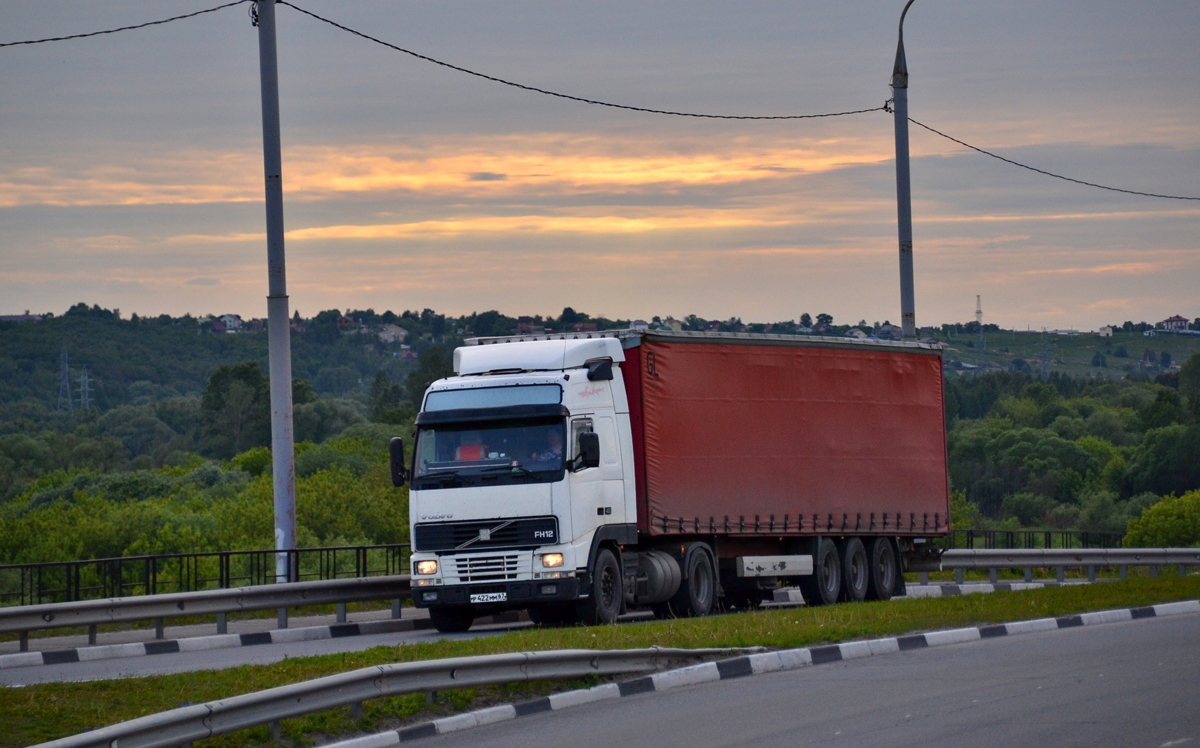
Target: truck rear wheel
{"x": 856, "y": 571}
{"x": 881, "y": 583}
{"x": 603, "y": 605}
{"x": 698, "y": 591}
{"x": 451, "y": 620}
{"x": 823, "y": 586}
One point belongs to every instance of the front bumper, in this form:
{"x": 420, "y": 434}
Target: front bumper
{"x": 517, "y": 594}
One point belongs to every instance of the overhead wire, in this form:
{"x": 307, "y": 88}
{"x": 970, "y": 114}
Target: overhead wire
{"x": 1043, "y": 171}
{"x": 569, "y": 97}
{"x": 597, "y": 102}
{"x": 125, "y": 28}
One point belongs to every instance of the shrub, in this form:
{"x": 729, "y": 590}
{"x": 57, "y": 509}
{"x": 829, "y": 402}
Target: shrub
{"x": 1173, "y": 522}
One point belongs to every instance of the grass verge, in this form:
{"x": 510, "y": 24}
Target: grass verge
{"x": 43, "y": 712}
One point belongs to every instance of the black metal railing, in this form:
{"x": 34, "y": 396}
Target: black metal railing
{"x": 73, "y": 581}
{"x": 1030, "y": 539}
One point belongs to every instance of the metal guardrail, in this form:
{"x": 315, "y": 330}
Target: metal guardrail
{"x": 207, "y": 602}
{"x": 186, "y": 724}
{"x": 94, "y": 579}
{"x": 1057, "y": 558}
{"x": 1030, "y": 539}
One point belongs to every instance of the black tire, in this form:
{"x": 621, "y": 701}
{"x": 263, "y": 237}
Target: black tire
{"x": 451, "y": 620}
{"x": 856, "y": 570}
{"x": 698, "y": 592}
{"x": 603, "y": 605}
{"x": 824, "y": 585}
{"x": 885, "y": 570}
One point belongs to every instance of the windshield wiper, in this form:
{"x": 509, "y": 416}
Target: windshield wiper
{"x": 514, "y": 469}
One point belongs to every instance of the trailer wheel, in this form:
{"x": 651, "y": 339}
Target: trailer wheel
{"x": 698, "y": 591}
{"x": 824, "y": 585}
{"x": 881, "y": 582}
{"x": 603, "y": 605}
{"x": 856, "y": 571}
{"x": 451, "y": 620}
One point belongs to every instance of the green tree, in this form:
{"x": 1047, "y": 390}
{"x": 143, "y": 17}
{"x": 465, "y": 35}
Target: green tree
{"x": 236, "y": 409}
{"x": 1173, "y": 522}
{"x": 433, "y": 364}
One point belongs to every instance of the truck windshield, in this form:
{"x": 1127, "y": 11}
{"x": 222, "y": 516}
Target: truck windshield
{"x": 452, "y": 455}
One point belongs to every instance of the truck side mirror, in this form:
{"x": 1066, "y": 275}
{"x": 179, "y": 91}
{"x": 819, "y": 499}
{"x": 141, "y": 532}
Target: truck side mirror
{"x": 589, "y": 451}
{"x": 399, "y": 474}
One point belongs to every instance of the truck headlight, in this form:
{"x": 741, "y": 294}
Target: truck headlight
{"x": 550, "y": 560}
{"x": 427, "y": 567}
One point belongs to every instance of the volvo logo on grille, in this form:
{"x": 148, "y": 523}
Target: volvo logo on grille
{"x": 485, "y": 534}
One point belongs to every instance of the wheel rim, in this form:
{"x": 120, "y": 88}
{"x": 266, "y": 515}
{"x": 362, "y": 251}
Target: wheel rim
{"x": 884, "y": 571}
{"x": 858, "y": 570}
{"x": 608, "y": 587}
{"x": 829, "y": 572}
{"x": 701, "y": 584}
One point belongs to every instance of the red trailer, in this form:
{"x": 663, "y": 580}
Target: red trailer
{"x": 745, "y": 435}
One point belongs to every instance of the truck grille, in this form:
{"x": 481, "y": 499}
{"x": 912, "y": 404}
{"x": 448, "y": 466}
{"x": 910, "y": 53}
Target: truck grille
{"x": 487, "y": 568}
{"x": 523, "y": 532}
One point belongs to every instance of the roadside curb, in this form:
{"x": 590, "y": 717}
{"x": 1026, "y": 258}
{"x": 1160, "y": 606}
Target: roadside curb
{"x": 757, "y": 664}
{"x": 227, "y": 641}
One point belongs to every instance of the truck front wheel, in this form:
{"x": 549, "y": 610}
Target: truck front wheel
{"x": 823, "y": 586}
{"x": 603, "y": 605}
{"x": 451, "y": 620}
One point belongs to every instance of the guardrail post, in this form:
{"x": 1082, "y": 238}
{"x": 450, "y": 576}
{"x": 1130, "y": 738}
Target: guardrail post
{"x": 1028, "y": 573}
{"x": 1091, "y": 573}
{"x": 91, "y": 633}
{"x": 924, "y": 577}
{"x": 1182, "y": 570}
{"x": 276, "y": 730}
{"x": 993, "y": 575}
{"x": 281, "y": 618}
{"x": 24, "y": 641}
{"x": 1124, "y": 571}
{"x": 1061, "y": 574}
{"x": 158, "y": 628}
{"x": 356, "y": 710}
{"x": 1154, "y": 570}
{"x": 341, "y": 612}
{"x": 958, "y": 576}
{"x": 222, "y": 623}
{"x": 396, "y": 608}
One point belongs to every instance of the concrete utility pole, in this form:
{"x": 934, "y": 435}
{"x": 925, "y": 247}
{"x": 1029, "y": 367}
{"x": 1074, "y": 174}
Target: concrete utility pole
{"x": 908, "y": 314}
{"x": 278, "y": 332}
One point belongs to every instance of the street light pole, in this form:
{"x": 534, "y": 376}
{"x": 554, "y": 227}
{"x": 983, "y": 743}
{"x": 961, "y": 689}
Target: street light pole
{"x": 908, "y": 314}
{"x": 278, "y": 333}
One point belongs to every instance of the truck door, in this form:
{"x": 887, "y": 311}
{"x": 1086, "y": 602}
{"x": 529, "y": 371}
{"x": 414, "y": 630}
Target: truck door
{"x": 597, "y": 494}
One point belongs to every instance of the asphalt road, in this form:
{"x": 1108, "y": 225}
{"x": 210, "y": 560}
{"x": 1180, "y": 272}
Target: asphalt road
{"x": 1126, "y": 684}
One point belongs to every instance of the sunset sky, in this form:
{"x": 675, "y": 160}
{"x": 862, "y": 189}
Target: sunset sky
{"x": 131, "y": 169}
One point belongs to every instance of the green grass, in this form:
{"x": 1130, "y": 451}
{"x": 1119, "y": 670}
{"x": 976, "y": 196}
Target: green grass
{"x": 43, "y": 712}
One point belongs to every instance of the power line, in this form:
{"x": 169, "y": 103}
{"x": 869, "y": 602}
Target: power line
{"x": 1047, "y": 173}
{"x": 569, "y": 97}
{"x": 124, "y": 28}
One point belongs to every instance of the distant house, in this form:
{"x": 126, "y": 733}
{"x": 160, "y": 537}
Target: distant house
{"x": 1106, "y": 331}
{"x": 639, "y": 324}
{"x": 390, "y": 333}
{"x": 256, "y": 324}
{"x": 297, "y": 325}
{"x": 673, "y": 324}
{"x": 585, "y": 327}
{"x": 232, "y": 322}
{"x": 26, "y": 317}
{"x": 217, "y": 327}
{"x": 821, "y": 327}
{"x": 888, "y": 331}
{"x": 529, "y": 326}
{"x": 854, "y": 332}
{"x": 1175, "y": 323}
{"x": 713, "y": 326}
{"x": 409, "y": 355}
{"x": 803, "y": 330}
{"x": 1149, "y": 333}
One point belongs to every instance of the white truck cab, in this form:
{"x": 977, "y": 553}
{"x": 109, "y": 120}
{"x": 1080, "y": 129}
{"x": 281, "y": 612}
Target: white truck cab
{"x": 523, "y": 461}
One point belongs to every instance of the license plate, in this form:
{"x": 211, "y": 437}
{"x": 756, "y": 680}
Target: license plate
{"x": 490, "y": 597}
